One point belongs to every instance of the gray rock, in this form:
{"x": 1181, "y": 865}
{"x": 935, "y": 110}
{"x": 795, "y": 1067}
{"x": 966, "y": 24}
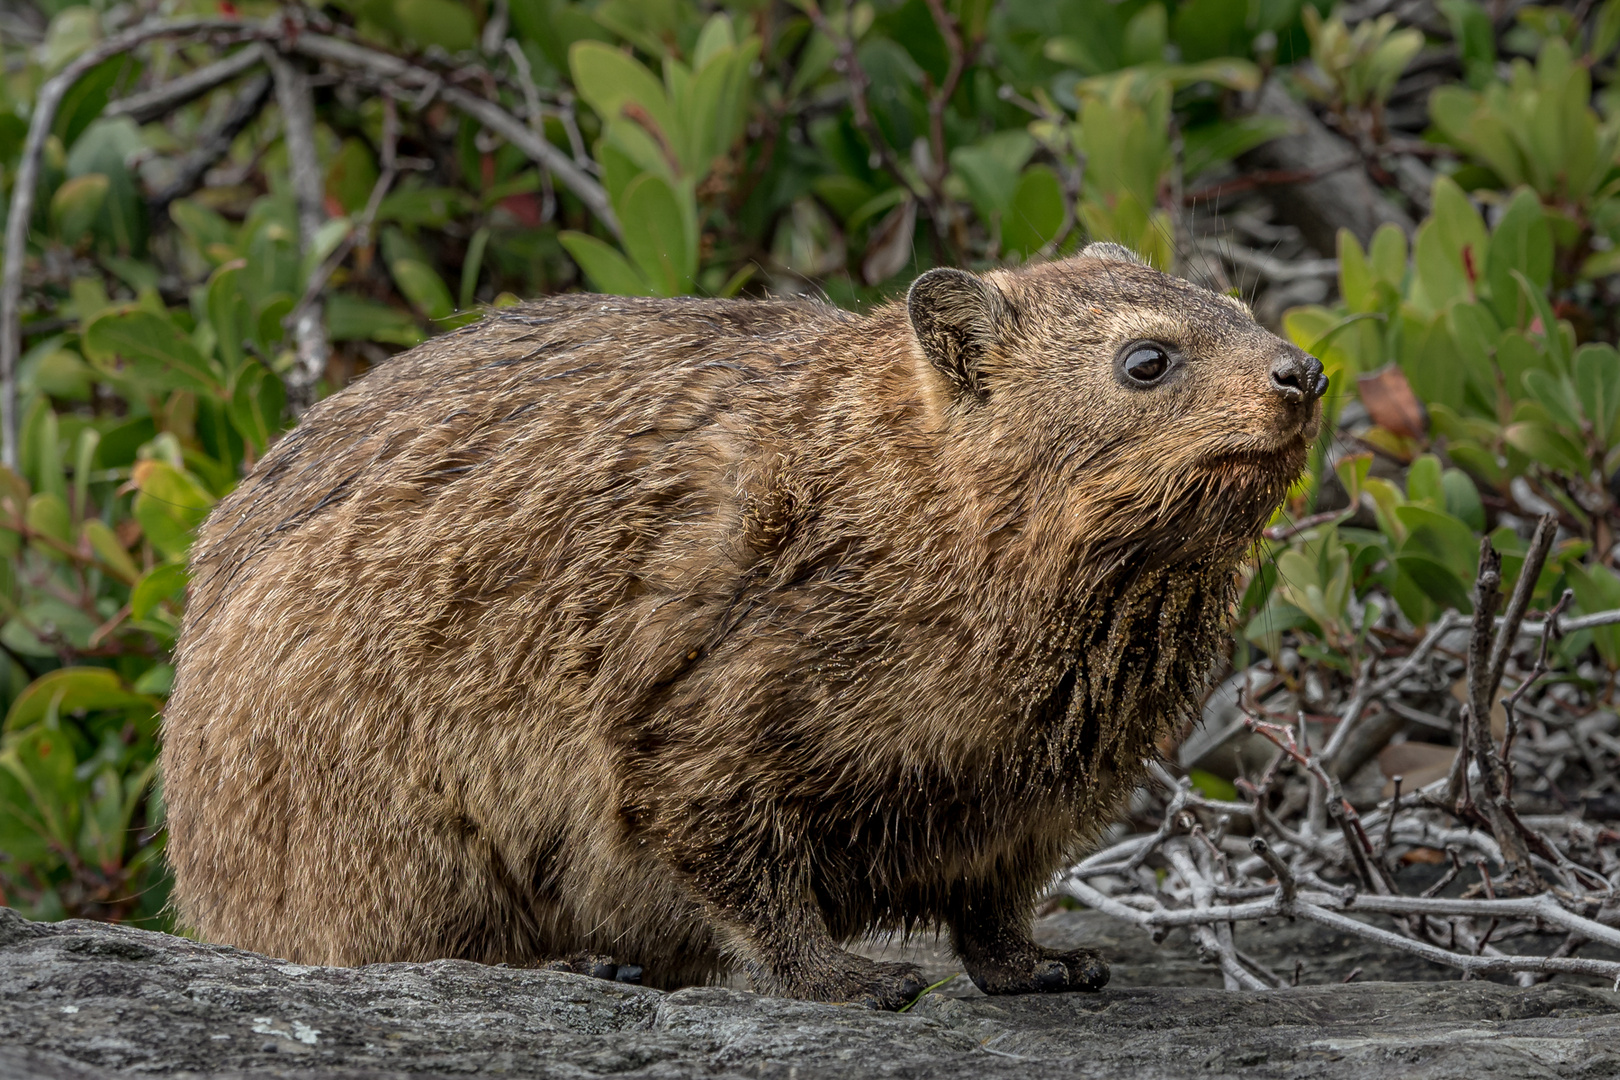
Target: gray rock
{"x": 83, "y": 1000}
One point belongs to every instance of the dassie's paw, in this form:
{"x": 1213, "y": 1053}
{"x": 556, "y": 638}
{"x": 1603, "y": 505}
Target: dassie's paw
{"x": 1045, "y": 972}
{"x": 852, "y": 980}
{"x": 889, "y": 986}
{"x": 599, "y": 967}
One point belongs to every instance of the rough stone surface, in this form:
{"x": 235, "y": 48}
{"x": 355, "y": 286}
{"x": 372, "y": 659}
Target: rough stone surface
{"x": 81, "y": 1000}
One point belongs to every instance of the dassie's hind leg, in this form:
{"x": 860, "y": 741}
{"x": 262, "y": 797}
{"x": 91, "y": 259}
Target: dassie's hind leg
{"x": 992, "y": 940}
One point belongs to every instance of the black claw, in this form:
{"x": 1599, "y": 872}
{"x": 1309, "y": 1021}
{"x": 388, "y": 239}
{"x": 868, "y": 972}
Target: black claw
{"x": 1051, "y": 976}
{"x": 1093, "y": 973}
{"x": 628, "y": 973}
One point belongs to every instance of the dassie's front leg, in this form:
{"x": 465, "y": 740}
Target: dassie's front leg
{"x": 810, "y": 965}
{"x": 995, "y": 948}
{"x": 771, "y": 922}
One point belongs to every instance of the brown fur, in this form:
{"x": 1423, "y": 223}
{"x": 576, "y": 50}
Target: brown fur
{"x": 706, "y": 633}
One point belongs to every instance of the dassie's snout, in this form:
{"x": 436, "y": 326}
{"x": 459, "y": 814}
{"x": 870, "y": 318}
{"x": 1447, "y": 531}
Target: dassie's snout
{"x": 1298, "y": 377}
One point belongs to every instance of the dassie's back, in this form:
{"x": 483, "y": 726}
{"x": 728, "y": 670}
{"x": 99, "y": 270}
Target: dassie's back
{"x": 467, "y": 531}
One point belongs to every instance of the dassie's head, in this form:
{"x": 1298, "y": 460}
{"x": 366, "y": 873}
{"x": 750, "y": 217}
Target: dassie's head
{"x": 1166, "y": 419}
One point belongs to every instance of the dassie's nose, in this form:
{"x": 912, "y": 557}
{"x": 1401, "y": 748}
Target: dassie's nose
{"x": 1298, "y": 376}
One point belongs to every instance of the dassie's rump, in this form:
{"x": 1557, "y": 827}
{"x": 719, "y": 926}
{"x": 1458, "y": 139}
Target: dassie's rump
{"x": 699, "y": 633}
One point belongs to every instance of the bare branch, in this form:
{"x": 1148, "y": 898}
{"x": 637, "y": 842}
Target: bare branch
{"x": 162, "y": 100}
{"x": 381, "y": 66}
{"x": 212, "y": 145}
{"x": 1536, "y": 557}
{"x": 1483, "y": 679}
{"x": 360, "y": 230}
{"x": 298, "y": 119}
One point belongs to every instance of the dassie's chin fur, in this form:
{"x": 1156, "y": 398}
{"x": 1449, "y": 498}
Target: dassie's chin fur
{"x": 703, "y": 634}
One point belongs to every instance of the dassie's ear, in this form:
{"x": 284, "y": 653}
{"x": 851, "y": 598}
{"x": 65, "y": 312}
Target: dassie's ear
{"x": 1116, "y": 252}
{"x": 957, "y": 317}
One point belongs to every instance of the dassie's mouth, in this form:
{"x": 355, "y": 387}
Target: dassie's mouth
{"x": 1285, "y": 458}
{"x": 1283, "y": 455}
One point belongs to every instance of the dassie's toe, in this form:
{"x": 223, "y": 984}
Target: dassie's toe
{"x": 1086, "y": 970}
{"x": 1048, "y": 972}
{"x": 597, "y": 967}
{"x": 890, "y": 986}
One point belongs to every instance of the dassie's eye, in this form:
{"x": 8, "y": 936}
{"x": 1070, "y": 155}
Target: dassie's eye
{"x": 1146, "y": 362}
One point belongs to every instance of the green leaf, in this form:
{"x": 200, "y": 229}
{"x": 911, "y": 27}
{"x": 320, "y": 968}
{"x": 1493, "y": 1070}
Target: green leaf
{"x": 209, "y": 233}
{"x": 1451, "y": 248}
{"x": 40, "y": 764}
{"x": 1460, "y": 226}
{"x": 48, "y": 514}
{"x": 1471, "y": 28}
{"x": 1516, "y": 356}
{"x": 352, "y": 175}
{"x": 1597, "y": 384}
{"x": 1606, "y": 32}
{"x": 1598, "y": 589}
{"x": 1462, "y": 499}
{"x": 1547, "y": 446}
{"x": 1208, "y": 146}
{"x": 170, "y": 505}
{"x": 717, "y": 34}
{"x": 1423, "y": 484}
{"x": 1556, "y": 347}
{"x": 1437, "y": 581}
{"x": 1429, "y": 357}
{"x": 423, "y": 287}
{"x": 1387, "y": 254}
{"x": 1207, "y": 783}
{"x": 470, "y": 267}
{"x": 166, "y": 581}
{"x": 148, "y": 351}
{"x": 1437, "y": 534}
{"x": 1035, "y": 215}
{"x": 715, "y": 104}
{"x": 655, "y": 235}
{"x": 617, "y": 86}
{"x": 1522, "y": 241}
{"x": 257, "y": 405}
{"x": 44, "y": 623}
{"x": 1557, "y": 396}
{"x": 990, "y": 169}
{"x": 110, "y": 550}
{"x": 76, "y": 205}
{"x": 229, "y": 314}
{"x": 71, "y": 690}
{"x": 1355, "y": 276}
{"x": 84, "y": 460}
{"x": 353, "y": 318}
{"x": 606, "y": 268}
{"x": 430, "y": 207}
{"x": 436, "y": 22}
{"x": 268, "y": 323}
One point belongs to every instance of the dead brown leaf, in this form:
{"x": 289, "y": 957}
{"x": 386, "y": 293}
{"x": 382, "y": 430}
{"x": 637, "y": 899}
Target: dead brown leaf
{"x": 1391, "y": 404}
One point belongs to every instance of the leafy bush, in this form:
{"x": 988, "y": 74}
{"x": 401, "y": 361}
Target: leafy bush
{"x": 747, "y": 146}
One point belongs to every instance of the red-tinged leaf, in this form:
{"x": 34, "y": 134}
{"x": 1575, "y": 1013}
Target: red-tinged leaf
{"x": 1391, "y": 404}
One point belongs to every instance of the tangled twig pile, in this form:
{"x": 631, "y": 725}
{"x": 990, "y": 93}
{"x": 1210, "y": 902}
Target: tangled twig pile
{"x": 1536, "y": 874}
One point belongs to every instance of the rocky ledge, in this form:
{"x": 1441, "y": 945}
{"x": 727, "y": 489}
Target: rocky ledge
{"x": 82, "y": 1000}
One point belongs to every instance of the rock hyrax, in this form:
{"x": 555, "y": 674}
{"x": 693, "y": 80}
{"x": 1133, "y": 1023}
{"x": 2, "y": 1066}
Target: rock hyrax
{"x": 703, "y": 634}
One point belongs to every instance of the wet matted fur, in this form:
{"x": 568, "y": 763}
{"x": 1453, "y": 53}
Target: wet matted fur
{"x": 704, "y": 633}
